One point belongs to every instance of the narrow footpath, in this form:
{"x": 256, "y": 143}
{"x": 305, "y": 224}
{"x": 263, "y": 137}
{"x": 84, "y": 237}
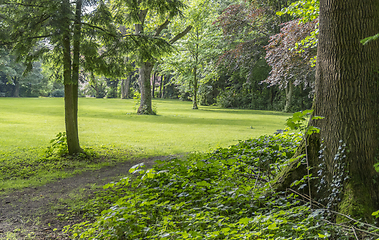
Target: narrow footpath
{"x": 31, "y": 213}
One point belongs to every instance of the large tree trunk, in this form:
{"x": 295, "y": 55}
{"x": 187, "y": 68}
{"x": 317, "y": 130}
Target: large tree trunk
{"x": 144, "y": 74}
{"x": 145, "y": 88}
{"x": 69, "y": 97}
{"x": 347, "y": 86}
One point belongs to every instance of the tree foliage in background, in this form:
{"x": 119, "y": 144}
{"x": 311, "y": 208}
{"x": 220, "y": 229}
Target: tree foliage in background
{"x": 290, "y": 64}
{"x": 193, "y": 64}
{"x": 148, "y": 19}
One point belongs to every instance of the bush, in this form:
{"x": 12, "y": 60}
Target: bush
{"x": 57, "y": 93}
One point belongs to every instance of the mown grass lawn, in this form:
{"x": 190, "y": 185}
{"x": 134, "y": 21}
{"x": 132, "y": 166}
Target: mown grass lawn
{"x": 28, "y": 124}
{"x": 32, "y": 122}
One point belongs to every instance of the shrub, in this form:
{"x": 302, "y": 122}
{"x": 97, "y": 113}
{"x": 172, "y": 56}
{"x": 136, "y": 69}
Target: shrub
{"x": 57, "y": 93}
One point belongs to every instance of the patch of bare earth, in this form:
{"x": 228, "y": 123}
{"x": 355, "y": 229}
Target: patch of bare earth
{"x": 30, "y": 214}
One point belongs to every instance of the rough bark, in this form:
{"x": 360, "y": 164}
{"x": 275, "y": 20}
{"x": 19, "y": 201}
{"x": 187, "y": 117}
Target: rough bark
{"x": 347, "y": 86}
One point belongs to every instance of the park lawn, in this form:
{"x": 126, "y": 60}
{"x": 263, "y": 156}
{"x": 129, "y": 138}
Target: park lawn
{"x": 28, "y": 124}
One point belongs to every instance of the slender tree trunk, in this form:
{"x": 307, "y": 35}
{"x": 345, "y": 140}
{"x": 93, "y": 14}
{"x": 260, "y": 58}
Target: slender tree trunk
{"x": 195, "y": 87}
{"x": 16, "y": 92}
{"x": 195, "y": 81}
{"x": 70, "y": 115}
{"x": 125, "y": 87}
{"x": 289, "y": 93}
{"x": 301, "y": 87}
{"x": 153, "y": 86}
{"x": 160, "y": 87}
{"x": 145, "y": 88}
{"x": 347, "y": 86}
{"x": 164, "y": 86}
{"x": 76, "y": 58}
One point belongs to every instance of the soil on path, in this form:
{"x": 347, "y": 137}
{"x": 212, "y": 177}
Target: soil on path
{"x": 30, "y": 214}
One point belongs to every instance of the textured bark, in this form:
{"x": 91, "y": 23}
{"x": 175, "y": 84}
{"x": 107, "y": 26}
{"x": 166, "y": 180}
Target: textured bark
{"x": 145, "y": 88}
{"x": 347, "y": 86}
{"x": 347, "y": 96}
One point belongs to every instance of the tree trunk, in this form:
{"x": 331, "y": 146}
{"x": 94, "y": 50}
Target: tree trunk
{"x": 347, "y": 86}
{"x": 16, "y": 92}
{"x": 153, "y": 86}
{"x": 70, "y": 115}
{"x": 195, "y": 87}
{"x": 76, "y": 59}
{"x": 289, "y": 93}
{"x": 144, "y": 74}
{"x": 160, "y": 87}
{"x": 145, "y": 88}
{"x": 125, "y": 87}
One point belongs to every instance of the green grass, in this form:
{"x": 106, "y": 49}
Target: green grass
{"x": 28, "y": 124}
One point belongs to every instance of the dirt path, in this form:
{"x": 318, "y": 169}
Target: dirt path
{"x": 30, "y": 214}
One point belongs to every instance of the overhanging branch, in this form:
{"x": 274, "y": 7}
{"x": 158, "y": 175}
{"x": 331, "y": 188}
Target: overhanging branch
{"x": 35, "y": 37}
{"x": 161, "y": 27}
{"x": 180, "y": 35}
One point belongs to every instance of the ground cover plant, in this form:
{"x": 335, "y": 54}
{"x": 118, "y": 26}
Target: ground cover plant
{"x": 110, "y": 131}
{"x": 225, "y": 194}
{"x": 220, "y": 195}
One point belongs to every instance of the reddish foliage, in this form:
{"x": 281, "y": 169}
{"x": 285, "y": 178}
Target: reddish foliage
{"x": 245, "y": 30}
{"x": 288, "y": 64}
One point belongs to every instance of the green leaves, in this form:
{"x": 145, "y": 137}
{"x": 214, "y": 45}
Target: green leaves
{"x": 307, "y": 10}
{"x": 298, "y": 121}
{"x": 217, "y": 195}
{"x": 368, "y": 39}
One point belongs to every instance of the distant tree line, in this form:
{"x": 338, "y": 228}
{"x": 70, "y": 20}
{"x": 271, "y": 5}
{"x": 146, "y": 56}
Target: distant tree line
{"x": 233, "y": 54}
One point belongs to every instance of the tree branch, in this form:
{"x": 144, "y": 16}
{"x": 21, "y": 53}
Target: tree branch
{"x": 100, "y": 28}
{"x": 180, "y": 35}
{"x": 24, "y": 5}
{"x": 161, "y": 27}
{"x": 35, "y": 37}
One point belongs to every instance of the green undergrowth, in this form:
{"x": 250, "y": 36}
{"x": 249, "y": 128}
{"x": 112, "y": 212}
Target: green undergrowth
{"x": 225, "y": 194}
